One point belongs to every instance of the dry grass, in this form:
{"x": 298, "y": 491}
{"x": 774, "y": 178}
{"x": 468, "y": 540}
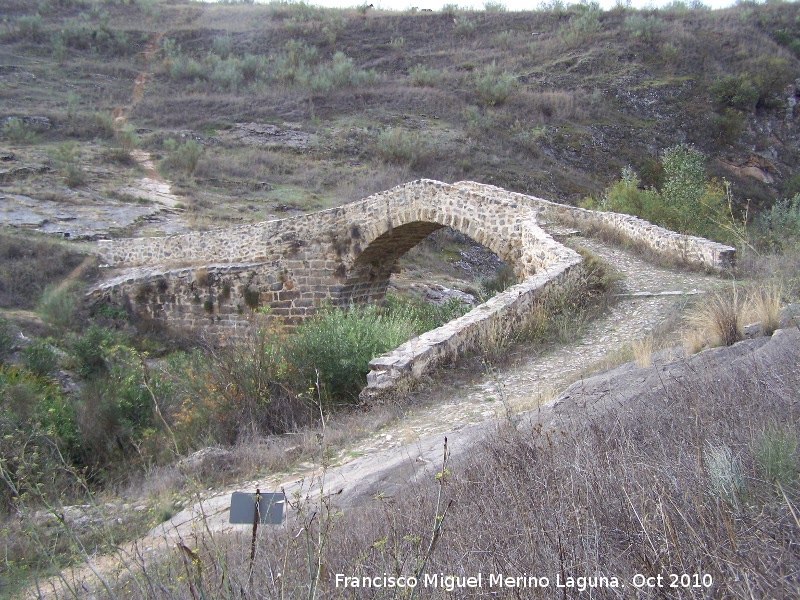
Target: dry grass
{"x": 643, "y": 351}
{"x": 763, "y": 305}
{"x": 691, "y": 477}
{"x": 718, "y": 317}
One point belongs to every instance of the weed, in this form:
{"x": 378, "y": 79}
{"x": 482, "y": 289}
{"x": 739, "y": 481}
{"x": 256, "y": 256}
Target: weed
{"x": 423, "y": 76}
{"x": 400, "y": 146}
{"x": 67, "y": 158}
{"x": 59, "y": 306}
{"x": 464, "y": 27}
{"x": 6, "y": 339}
{"x": 643, "y": 351}
{"x": 764, "y": 304}
{"x": 775, "y": 452}
{"x": 15, "y": 130}
{"x": 719, "y": 317}
{"x": 493, "y": 85}
{"x": 39, "y": 357}
{"x": 337, "y": 345}
{"x": 725, "y": 474}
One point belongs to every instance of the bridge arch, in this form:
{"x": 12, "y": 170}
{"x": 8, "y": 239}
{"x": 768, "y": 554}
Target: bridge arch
{"x": 497, "y": 225}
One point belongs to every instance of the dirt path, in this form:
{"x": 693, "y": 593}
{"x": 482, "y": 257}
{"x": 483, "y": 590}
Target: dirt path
{"x": 153, "y": 187}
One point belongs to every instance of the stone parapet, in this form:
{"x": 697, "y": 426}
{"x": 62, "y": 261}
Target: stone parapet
{"x": 689, "y": 249}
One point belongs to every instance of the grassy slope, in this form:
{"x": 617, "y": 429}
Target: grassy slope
{"x": 591, "y": 96}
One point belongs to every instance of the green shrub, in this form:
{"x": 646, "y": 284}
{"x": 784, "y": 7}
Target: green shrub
{"x": 734, "y": 91}
{"x": 785, "y": 37}
{"x": 645, "y": 28}
{"x": 396, "y": 145}
{"x": 338, "y": 344}
{"x": 727, "y": 125}
{"x": 626, "y": 196}
{"x": 90, "y": 349}
{"x": 182, "y": 156}
{"x": 791, "y": 186}
{"x": 684, "y": 175}
{"x": 776, "y": 455}
{"x": 67, "y": 159}
{"x": 15, "y": 130}
{"x": 421, "y": 315}
{"x": 778, "y": 228}
{"x": 339, "y": 73}
{"x": 59, "y": 306}
{"x": 493, "y": 6}
{"x": 771, "y": 74}
{"x": 28, "y": 29}
{"x": 6, "y": 339}
{"x": 464, "y": 27}
{"x": 39, "y": 357}
{"x": 494, "y": 86}
{"x": 582, "y": 26}
{"x": 127, "y": 138}
{"x": 422, "y": 76}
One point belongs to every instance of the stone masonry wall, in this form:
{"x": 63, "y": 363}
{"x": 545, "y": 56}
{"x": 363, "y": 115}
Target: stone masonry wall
{"x": 690, "y": 249}
{"x": 215, "y": 280}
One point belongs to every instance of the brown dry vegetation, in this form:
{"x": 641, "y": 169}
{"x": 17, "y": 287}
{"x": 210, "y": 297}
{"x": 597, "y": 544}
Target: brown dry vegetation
{"x": 691, "y": 471}
{"x": 552, "y": 102}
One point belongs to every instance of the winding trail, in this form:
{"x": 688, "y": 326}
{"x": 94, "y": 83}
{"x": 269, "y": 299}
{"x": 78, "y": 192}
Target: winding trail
{"x": 153, "y": 187}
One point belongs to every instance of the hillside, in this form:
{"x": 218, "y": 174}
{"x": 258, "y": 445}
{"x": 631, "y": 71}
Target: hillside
{"x": 296, "y": 108}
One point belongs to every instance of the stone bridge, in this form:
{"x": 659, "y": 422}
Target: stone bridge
{"x": 215, "y": 280}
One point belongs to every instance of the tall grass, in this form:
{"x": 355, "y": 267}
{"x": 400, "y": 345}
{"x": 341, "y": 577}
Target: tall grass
{"x": 335, "y": 347}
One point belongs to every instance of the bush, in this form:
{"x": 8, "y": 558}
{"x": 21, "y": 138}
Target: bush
{"x": 90, "y": 349}
{"x": 59, "y": 307}
{"x": 184, "y": 156}
{"x": 67, "y": 159}
{"x": 494, "y": 86}
{"x": 645, "y": 28}
{"x": 422, "y": 76}
{"x": 778, "y": 229}
{"x": 243, "y": 389}
{"x": 464, "y": 27}
{"x": 338, "y": 344}
{"x": 39, "y": 358}
{"x": 15, "y": 130}
{"x": 582, "y": 26}
{"x": 27, "y": 29}
{"x": 719, "y": 318}
{"x": 776, "y": 455}
{"x": 396, "y": 145}
{"x": 421, "y": 315}
{"x": 734, "y": 91}
{"x": 771, "y": 74}
{"x": 6, "y": 339}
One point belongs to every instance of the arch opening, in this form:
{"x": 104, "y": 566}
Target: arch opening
{"x": 452, "y": 263}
